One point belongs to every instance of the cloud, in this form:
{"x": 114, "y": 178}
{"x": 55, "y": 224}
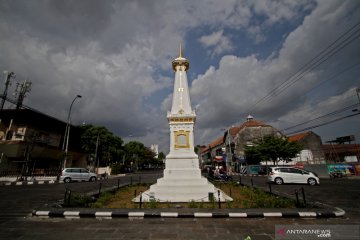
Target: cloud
{"x": 218, "y": 42}
{"x": 227, "y": 93}
{"x": 121, "y": 63}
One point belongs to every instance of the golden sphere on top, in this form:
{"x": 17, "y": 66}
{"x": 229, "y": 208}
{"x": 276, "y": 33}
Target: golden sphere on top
{"x": 180, "y": 61}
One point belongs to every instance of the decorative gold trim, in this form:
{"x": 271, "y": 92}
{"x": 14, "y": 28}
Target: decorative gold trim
{"x": 181, "y": 120}
{"x": 180, "y": 133}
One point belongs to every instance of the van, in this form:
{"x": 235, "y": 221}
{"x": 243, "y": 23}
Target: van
{"x": 77, "y": 174}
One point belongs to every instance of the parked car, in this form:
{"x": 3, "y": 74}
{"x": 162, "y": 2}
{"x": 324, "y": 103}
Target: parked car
{"x": 77, "y": 174}
{"x": 280, "y": 175}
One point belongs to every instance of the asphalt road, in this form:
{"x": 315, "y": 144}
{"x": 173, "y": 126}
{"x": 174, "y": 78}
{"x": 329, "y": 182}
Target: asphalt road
{"x": 338, "y": 192}
{"x": 17, "y": 202}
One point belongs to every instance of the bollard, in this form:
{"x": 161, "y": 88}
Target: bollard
{"x": 118, "y": 183}
{"x": 69, "y": 197}
{"x": 135, "y": 193}
{"x": 140, "y": 199}
{"x": 219, "y": 199}
{"x": 230, "y": 192}
{"x": 270, "y": 188}
{"x": 65, "y": 196}
{"x": 100, "y": 188}
{"x": 252, "y": 182}
{"x": 297, "y": 198}
{"x": 303, "y": 195}
{"x": 211, "y": 196}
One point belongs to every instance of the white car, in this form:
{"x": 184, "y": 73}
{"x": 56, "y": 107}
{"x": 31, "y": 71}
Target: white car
{"x": 77, "y": 174}
{"x": 280, "y": 175}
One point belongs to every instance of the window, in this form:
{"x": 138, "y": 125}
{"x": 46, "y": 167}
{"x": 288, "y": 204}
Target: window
{"x": 296, "y": 171}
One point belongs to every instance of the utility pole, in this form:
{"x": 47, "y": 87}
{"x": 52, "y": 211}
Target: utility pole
{"x": 96, "y": 153}
{"x": 8, "y": 76}
{"x": 25, "y": 87}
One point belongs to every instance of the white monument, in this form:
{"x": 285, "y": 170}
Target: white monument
{"x": 182, "y": 181}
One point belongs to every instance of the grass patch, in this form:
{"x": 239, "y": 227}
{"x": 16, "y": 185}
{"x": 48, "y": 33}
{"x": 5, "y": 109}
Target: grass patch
{"x": 243, "y": 197}
{"x": 122, "y": 198}
{"x": 78, "y": 200}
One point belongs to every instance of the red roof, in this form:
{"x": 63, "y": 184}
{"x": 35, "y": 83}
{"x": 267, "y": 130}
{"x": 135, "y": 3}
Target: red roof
{"x": 233, "y": 131}
{"x": 251, "y": 123}
{"x": 298, "y": 137}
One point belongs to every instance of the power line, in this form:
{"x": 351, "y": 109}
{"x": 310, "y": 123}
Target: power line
{"x": 320, "y": 58}
{"x": 323, "y": 116}
{"x": 325, "y": 123}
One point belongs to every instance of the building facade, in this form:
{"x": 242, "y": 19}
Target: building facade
{"x": 31, "y": 143}
{"x": 312, "y": 152}
{"x": 229, "y": 149}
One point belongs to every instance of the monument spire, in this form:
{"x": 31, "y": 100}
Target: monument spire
{"x": 180, "y": 51}
{"x": 181, "y": 98}
{"x": 177, "y": 63}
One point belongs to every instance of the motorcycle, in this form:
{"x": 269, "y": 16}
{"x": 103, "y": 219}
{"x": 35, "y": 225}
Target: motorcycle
{"x": 336, "y": 174}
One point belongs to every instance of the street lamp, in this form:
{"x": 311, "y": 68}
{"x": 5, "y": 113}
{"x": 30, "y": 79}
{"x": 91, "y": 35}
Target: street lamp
{"x": 229, "y": 155}
{"x": 67, "y": 132}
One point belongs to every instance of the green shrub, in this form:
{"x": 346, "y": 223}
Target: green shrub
{"x": 152, "y": 203}
{"x": 103, "y": 199}
{"x": 192, "y": 204}
{"x": 78, "y": 200}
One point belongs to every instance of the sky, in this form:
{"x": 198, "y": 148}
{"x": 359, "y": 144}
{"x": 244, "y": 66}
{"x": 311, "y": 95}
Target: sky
{"x": 284, "y": 62}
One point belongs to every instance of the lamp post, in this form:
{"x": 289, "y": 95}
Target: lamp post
{"x": 67, "y": 132}
{"x": 229, "y": 154}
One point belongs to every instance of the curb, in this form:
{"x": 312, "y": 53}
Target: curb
{"x": 22, "y": 183}
{"x": 338, "y": 212}
{"x": 28, "y": 183}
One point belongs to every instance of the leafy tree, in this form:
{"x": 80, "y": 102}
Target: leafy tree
{"x": 161, "y": 156}
{"x": 138, "y": 154}
{"x": 109, "y": 147}
{"x": 272, "y": 148}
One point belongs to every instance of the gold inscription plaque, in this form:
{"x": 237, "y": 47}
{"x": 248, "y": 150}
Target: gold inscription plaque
{"x": 182, "y": 139}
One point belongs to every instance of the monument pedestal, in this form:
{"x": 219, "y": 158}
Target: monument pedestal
{"x": 182, "y": 182}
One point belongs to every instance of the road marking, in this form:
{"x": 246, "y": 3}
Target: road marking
{"x": 273, "y": 214}
{"x": 169, "y": 214}
{"x": 237, "y": 215}
{"x": 71, "y": 214}
{"x": 42, "y": 213}
{"x": 307, "y": 214}
{"x": 200, "y": 214}
{"x": 136, "y": 214}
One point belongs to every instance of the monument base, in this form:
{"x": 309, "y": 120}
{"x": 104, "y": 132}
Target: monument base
{"x": 182, "y": 182}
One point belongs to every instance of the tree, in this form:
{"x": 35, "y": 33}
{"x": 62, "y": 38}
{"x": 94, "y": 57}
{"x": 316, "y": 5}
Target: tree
{"x": 272, "y": 148}
{"x": 161, "y": 156}
{"x": 109, "y": 147}
{"x": 138, "y": 154}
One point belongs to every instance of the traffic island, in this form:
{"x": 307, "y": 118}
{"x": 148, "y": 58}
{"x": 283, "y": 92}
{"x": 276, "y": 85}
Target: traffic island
{"x": 118, "y": 204}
